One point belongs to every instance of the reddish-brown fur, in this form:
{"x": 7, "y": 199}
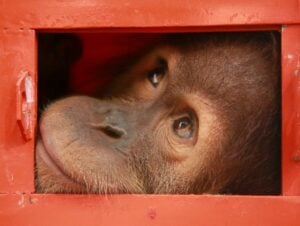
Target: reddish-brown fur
{"x": 224, "y": 86}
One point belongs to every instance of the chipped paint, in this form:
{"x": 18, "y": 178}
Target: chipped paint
{"x": 21, "y": 201}
{"x": 290, "y": 56}
{"x": 296, "y": 72}
{"x": 152, "y": 213}
{"x": 9, "y": 176}
{"x": 33, "y": 200}
{"x": 283, "y": 27}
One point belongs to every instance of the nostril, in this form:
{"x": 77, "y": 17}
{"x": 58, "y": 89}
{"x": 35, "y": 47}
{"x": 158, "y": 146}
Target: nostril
{"x": 113, "y": 131}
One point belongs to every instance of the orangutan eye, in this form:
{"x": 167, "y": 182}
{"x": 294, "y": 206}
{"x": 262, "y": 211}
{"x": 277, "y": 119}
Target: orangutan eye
{"x": 156, "y": 76}
{"x": 184, "y": 127}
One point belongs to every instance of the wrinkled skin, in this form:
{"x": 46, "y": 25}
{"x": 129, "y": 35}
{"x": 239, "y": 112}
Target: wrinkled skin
{"x": 193, "y": 114}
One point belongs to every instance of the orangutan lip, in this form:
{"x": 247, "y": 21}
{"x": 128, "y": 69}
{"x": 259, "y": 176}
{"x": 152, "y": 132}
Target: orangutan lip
{"x": 50, "y": 162}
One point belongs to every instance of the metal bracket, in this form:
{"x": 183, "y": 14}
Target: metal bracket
{"x": 25, "y": 104}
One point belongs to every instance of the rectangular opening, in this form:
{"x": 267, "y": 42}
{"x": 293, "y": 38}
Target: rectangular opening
{"x": 205, "y": 106}
{"x": 19, "y": 28}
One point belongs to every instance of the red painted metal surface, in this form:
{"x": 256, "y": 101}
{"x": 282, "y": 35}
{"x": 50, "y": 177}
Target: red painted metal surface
{"x": 18, "y": 22}
{"x": 291, "y": 110}
{"x": 57, "y": 14}
{"x": 62, "y": 210}
{"x": 17, "y": 53}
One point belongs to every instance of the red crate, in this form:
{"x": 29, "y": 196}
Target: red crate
{"x": 19, "y": 23}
